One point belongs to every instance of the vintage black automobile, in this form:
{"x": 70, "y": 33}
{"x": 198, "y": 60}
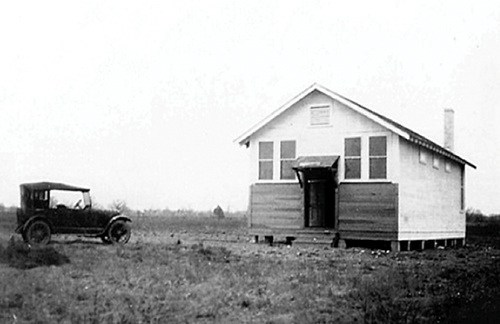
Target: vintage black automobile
{"x": 43, "y": 213}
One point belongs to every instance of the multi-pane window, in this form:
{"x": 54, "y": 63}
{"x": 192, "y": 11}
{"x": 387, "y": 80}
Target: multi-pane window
{"x": 320, "y": 115}
{"x": 266, "y": 153}
{"x": 287, "y": 157}
{"x": 378, "y": 157}
{"x": 352, "y": 157}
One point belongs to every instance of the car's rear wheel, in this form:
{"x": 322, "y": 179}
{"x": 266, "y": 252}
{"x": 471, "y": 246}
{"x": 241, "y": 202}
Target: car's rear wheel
{"x": 37, "y": 233}
{"x": 119, "y": 232}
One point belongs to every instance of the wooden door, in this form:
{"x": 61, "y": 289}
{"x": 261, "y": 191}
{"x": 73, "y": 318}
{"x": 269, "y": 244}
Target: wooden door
{"x": 319, "y": 199}
{"x": 317, "y": 203}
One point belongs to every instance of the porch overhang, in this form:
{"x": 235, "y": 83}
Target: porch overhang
{"x": 313, "y": 164}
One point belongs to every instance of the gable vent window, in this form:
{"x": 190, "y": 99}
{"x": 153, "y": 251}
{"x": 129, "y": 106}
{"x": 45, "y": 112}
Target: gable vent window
{"x": 320, "y": 115}
{"x": 378, "y": 157}
{"x": 266, "y": 153}
{"x": 287, "y": 158}
{"x": 352, "y": 157}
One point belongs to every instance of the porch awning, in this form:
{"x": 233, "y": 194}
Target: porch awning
{"x": 313, "y": 162}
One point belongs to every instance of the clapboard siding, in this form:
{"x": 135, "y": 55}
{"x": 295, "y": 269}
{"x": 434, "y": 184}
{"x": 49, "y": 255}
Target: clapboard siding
{"x": 429, "y": 197}
{"x": 368, "y": 210}
{"x": 276, "y": 205}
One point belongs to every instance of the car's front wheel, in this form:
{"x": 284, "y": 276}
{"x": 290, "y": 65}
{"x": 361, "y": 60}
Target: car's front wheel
{"x": 37, "y": 233}
{"x": 119, "y": 232}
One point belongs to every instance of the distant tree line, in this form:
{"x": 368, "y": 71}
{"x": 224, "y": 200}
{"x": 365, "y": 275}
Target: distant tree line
{"x": 4, "y": 209}
{"x": 122, "y": 207}
{"x": 475, "y": 216}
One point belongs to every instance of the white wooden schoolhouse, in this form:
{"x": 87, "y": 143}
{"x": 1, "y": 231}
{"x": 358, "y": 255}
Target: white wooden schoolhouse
{"x": 327, "y": 169}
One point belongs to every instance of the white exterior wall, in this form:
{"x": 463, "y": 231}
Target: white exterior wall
{"x": 429, "y": 198}
{"x": 294, "y": 124}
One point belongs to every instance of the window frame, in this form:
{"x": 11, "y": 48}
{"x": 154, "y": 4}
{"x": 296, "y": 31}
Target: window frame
{"x": 422, "y": 156}
{"x": 374, "y": 157}
{"x": 287, "y": 160}
{"x": 265, "y": 160}
{"x": 447, "y": 166}
{"x": 435, "y": 161}
{"x": 318, "y": 107}
{"x": 350, "y": 158}
{"x": 462, "y": 189}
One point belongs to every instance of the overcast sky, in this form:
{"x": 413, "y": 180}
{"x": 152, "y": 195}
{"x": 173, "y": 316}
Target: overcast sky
{"x": 141, "y": 100}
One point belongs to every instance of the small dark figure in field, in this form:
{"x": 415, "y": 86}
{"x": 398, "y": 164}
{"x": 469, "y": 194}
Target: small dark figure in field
{"x": 218, "y": 212}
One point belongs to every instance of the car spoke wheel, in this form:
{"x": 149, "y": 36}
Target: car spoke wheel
{"x": 38, "y": 233}
{"x": 119, "y": 232}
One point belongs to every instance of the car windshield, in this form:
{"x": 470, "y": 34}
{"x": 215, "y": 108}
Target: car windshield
{"x": 69, "y": 199}
{"x": 86, "y": 199}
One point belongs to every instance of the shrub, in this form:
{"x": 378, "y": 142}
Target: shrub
{"x": 23, "y": 256}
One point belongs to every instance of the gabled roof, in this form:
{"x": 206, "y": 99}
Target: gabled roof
{"x": 391, "y": 125}
{"x": 52, "y": 186}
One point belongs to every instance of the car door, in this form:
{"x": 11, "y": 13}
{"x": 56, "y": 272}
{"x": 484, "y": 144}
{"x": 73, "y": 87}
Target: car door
{"x": 83, "y": 221}
{"x": 62, "y": 220}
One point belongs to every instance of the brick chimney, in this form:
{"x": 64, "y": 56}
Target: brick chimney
{"x": 449, "y": 126}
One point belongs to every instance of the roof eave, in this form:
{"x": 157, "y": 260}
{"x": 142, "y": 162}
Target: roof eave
{"x": 440, "y": 150}
{"x": 245, "y": 137}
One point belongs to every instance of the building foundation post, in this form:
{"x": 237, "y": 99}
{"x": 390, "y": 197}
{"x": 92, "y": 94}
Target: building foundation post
{"x": 395, "y": 246}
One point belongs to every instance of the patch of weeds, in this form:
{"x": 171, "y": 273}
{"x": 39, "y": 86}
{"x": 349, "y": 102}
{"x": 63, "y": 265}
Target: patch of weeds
{"x": 215, "y": 254}
{"x": 207, "y": 315}
{"x": 13, "y": 301}
{"x": 135, "y": 252}
{"x": 434, "y": 291}
{"x": 22, "y": 256}
{"x": 394, "y": 296}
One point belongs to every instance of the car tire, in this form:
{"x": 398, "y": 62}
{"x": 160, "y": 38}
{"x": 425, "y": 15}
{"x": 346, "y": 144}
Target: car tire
{"x": 37, "y": 233}
{"x": 119, "y": 232}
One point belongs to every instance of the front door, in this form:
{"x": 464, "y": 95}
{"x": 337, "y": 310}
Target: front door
{"x": 319, "y": 197}
{"x": 317, "y": 202}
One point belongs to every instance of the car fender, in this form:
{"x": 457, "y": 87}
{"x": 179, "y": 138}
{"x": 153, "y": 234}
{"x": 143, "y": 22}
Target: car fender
{"x": 19, "y": 229}
{"x": 23, "y": 227}
{"x": 116, "y": 218}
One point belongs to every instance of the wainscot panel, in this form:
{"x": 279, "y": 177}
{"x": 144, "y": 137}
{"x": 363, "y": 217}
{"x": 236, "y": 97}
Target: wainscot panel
{"x": 368, "y": 211}
{"x": 276, "y": 205}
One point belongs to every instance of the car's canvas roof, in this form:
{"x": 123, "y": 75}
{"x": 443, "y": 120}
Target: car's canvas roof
{"x": 52, "y": 186}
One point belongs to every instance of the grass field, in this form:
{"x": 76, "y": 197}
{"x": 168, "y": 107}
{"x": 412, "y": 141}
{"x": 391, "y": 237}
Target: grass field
{"x": 188, "y": 268}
